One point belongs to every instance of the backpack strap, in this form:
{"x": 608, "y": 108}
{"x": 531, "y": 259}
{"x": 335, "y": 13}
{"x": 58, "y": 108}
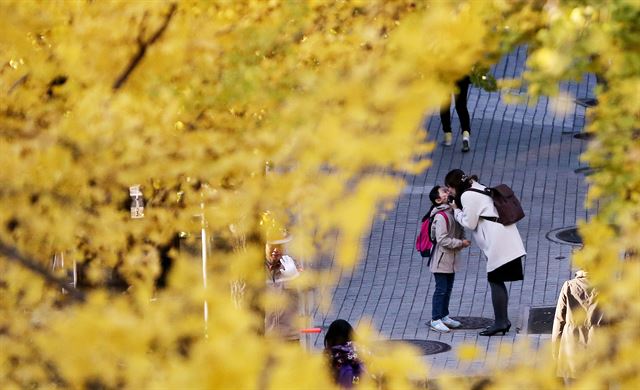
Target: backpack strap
{"x": 446, "y": 222}
{"x": 488, "y": 193}
{"x": 446, "y": 218}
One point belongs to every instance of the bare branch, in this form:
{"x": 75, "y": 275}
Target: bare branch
{"x": 12, "y": 254}
{"x": 18, "y": 83}
{"x": 143, "y": 28}
{"x": 142, "y": 48}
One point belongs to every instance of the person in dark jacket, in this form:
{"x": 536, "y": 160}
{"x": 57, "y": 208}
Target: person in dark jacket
{"x": 462, "y": 88}
{"x": 346, "y": 367}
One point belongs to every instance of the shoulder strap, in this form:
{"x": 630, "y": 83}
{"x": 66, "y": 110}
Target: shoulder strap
{"x": 433, "y": 239}
{"x": 487, "y": 192}
{"x": 446, "y": 218}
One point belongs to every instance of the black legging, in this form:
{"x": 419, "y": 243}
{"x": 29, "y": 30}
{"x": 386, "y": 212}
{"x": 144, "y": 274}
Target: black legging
{"x": 461, "y": 107}
{"x": 500, "y": 301}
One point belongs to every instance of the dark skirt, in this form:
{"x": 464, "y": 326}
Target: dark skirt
{"x": 509, "y": 272}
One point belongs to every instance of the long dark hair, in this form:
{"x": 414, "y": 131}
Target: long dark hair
{"x": 461, "y": 182}
{"x": 342, "y": 354}
{"x": 339, "y": 333}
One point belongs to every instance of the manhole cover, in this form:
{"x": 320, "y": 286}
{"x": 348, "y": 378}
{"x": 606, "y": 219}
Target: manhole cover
{"x": 540, "y": 320}
{"x": 428, "y": 347}
{"x": 567, "y": 235}
{"x": 473, "y": 322}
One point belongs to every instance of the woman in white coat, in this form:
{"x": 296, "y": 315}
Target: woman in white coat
{"x": 502, "y": 245}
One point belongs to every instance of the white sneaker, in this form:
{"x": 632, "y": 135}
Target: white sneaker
{"x": 448, "y": 139}
{"x": 450, "y": 322}
{"x": 465, "y": 141}
{"x": 438, "y": 326}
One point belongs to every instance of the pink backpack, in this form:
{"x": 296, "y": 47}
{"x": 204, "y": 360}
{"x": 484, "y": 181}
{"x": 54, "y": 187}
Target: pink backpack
{"x": 424, "y": 242}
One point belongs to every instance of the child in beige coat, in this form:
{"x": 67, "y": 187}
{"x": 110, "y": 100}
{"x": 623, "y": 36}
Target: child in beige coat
{"x": 448, "y": 238}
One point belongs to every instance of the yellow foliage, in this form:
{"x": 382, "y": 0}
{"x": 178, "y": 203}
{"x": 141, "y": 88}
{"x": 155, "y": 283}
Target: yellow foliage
{"x": 194, "y": 100}
{"x": 468, "y": 352}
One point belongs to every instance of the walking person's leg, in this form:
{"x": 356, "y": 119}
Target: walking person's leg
{"x": 445, "y": 118}
{"x": 463, "y": 113}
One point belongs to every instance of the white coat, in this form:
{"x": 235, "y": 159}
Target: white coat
{"x": 499, "y": 243}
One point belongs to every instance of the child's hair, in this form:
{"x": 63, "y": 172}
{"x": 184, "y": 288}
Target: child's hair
{"x": 434, "y": 195}
{"x": 339, "y": 333}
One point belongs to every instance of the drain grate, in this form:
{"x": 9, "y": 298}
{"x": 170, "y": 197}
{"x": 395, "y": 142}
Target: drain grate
{"x": 473, "y": 322}
{"x": 584, "y": 136}
{"x": 541, "y": 320}
{"x": 587, "y": 102}
{"x": 427, "y": 347}
{"x": 566, "y": 235}
{"x": 587, "y": 171}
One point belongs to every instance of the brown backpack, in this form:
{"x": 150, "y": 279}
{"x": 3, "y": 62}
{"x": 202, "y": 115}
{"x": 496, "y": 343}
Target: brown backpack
{"x": 506, "y": 203}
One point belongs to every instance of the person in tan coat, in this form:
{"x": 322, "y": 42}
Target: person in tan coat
{"x": 575, "y": 325}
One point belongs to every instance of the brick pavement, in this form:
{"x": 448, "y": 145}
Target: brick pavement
{"x": 528, "y": 146}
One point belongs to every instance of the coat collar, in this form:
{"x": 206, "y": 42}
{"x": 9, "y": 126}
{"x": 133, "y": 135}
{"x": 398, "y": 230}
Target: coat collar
{"x": 442, "y": 207}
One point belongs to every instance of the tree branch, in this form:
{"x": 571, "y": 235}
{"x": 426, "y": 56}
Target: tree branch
{"x": 12, "y": 254}
{"x": 142, "y": 48}
{"x": 18, "y": 83}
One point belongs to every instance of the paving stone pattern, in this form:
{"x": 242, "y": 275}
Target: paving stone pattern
{"x": 528, "y": 146}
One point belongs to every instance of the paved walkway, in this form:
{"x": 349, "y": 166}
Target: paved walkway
{"x": 530, "y": 147}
